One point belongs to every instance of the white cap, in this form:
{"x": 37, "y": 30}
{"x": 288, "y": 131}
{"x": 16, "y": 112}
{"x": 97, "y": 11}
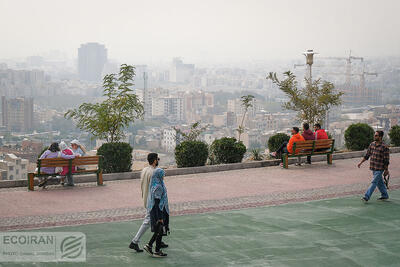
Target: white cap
{"x": 76, "y": 142}
{"x": 63, "y": 145}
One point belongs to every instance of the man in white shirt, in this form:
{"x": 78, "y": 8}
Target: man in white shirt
{"x": 145, "y": 178}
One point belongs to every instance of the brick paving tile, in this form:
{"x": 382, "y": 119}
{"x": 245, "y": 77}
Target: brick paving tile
{"x": 189, "y": 194}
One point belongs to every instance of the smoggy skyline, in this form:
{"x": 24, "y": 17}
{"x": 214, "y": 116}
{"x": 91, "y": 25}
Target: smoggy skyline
{"x": 208, "y": 30}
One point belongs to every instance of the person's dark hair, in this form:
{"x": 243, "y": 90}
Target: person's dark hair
{"x": 318, "y": 125}
{"x": 306, "y": 126}
{"x": 151, "y": 157}
{"x": 296, "y": 129}
{"x": 380, "y": 133}
{"x": 54, "y": 147}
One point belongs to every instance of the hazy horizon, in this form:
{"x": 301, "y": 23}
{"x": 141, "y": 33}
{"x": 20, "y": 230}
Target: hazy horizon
{"x": 214, "y": 31}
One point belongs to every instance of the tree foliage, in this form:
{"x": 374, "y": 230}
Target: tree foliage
{"x": 108, "y": 119}
{"x": 193, "y": 134}
{"x": 275, "y": 141}
{"x": 247, "y": 102}
{"x": 358, "y": 136}
{"x": 227, "y": 150}
{"x": 312, "y": 102}
{"x": 116, "y": 157}
{"x": 191, "y": 154}
{"x": 394, "y": 135}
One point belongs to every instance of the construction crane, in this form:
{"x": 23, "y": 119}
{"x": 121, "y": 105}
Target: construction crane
{"x": 349, "y": 60}
{"x": 360, "y": 94}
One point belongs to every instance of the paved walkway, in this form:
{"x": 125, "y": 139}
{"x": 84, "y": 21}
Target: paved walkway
{"x": 330, "y": 232}
{"x": 121, "y": 200}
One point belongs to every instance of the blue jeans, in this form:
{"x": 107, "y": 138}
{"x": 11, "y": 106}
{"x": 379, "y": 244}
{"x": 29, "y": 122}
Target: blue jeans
{"x": 377, "y": 182}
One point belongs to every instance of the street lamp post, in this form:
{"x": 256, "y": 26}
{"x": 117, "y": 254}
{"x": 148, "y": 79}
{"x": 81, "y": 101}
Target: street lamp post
{"x": 309, "y": 61}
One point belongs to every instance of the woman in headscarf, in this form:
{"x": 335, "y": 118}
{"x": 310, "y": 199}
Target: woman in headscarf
{"x": 157, "y": 204}
{"x": 52, "y": 152}
{"x": 78, "y": 148}
{"x": 67, "y": 152}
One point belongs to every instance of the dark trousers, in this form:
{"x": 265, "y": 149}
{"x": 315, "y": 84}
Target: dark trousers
{"x": 282, "y": 149}
{"x": 157, "y": 237}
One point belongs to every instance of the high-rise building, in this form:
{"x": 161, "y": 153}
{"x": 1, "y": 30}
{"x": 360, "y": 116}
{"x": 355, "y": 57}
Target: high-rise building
{"x": 181, "y": 73}
{"x": 17, "y": 83}
{"x": 168, "y": 107}
{"x": 17, "y": 113}
{"x": 91, "y": 60}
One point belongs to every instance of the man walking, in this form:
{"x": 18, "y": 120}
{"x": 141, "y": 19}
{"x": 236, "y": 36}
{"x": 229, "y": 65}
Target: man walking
{"x": 145, "y": 179}
{"x": 378, "y": 153}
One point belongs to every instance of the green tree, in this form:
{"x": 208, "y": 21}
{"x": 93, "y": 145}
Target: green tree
{"x": 108, "y": 119}
{"x": 358, "y": 136}
{"x": 312, "y": 102}
{"x": 394, "y": 135}
{"x": 275, "y": 141}
{"x": 191, "y": 154}
{"x": 193, "y": 134}
{"x": 247, "y": 102}
{"x": 226, "y": 150}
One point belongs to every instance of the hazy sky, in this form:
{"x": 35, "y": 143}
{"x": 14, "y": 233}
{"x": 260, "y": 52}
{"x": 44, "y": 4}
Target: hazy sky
{"x": 211, "y": 30}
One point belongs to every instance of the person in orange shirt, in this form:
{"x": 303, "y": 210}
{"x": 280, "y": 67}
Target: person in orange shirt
{"x": 287, "y": 147}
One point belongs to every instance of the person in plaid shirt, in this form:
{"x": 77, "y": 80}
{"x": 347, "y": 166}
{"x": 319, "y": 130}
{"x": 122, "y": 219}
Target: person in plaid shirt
{"x": 378, "y": 153}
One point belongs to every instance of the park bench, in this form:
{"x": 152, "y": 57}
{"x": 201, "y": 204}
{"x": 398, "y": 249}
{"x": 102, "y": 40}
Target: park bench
{"x": 60, "y": 162}
{"x": 310, "y": 148}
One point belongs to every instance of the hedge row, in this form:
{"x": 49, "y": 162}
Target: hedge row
{"x": 196, "y": 153}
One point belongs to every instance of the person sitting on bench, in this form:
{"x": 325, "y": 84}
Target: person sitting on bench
{"x": 52, "y": 152}
{"x": 287, "y": 147}
{"x": 308, "y": 135}
{"x": 320, "y": 133}
{"x": 67, "y": 152}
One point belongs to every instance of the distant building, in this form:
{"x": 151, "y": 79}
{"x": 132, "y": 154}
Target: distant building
{"x": 168, "y": 107}
{"x": 149, "y": 96}
{"x": 169, "y": 140}
{"x": 91, "y": 60}
{"x": 181, "y": 73}
{"x": 17, "y": 113}
{"x": 219, "y": 120}
{"x": 16, "y": 83}
{"x": 235, "y": 106}
{"x": 13, "y": 167}
{"x": 230, "y": 119}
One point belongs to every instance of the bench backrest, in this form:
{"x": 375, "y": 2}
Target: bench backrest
{"x": 312, "y": 145}
{"x": 60, "y": 162}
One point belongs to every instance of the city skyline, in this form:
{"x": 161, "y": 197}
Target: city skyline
{"x": 207, "y": 31}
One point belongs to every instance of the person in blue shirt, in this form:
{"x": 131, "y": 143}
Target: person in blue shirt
{"x": 78, "y": 148}
{"x": 157, "y": 205}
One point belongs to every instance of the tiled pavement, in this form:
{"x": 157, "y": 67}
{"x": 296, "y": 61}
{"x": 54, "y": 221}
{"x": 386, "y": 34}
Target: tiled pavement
{"x": 120, "y": 200}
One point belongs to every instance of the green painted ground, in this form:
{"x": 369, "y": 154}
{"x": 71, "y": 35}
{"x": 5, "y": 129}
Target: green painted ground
{"x": 338, "y": 232}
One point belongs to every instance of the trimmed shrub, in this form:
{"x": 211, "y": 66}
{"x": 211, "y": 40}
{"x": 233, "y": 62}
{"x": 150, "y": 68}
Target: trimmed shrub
{"x": 358, "y": 136}
{"x": 191, "y": 154}
{"x": 117, "y": 157}
{"x": 275, "y": 141}
{"x": 227, "y": 150}
{"x": 394, "y": 135}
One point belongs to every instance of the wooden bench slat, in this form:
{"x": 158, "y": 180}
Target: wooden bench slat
{"x": 84, "y": 171}
{"x": 85, "y": 161}
{"x": 58, "y": 162}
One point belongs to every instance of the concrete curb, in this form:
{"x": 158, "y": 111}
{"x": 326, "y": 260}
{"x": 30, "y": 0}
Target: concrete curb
{"x": 88, "y": 178}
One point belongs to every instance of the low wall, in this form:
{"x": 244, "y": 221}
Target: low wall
{"x": 203, "y": 169}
